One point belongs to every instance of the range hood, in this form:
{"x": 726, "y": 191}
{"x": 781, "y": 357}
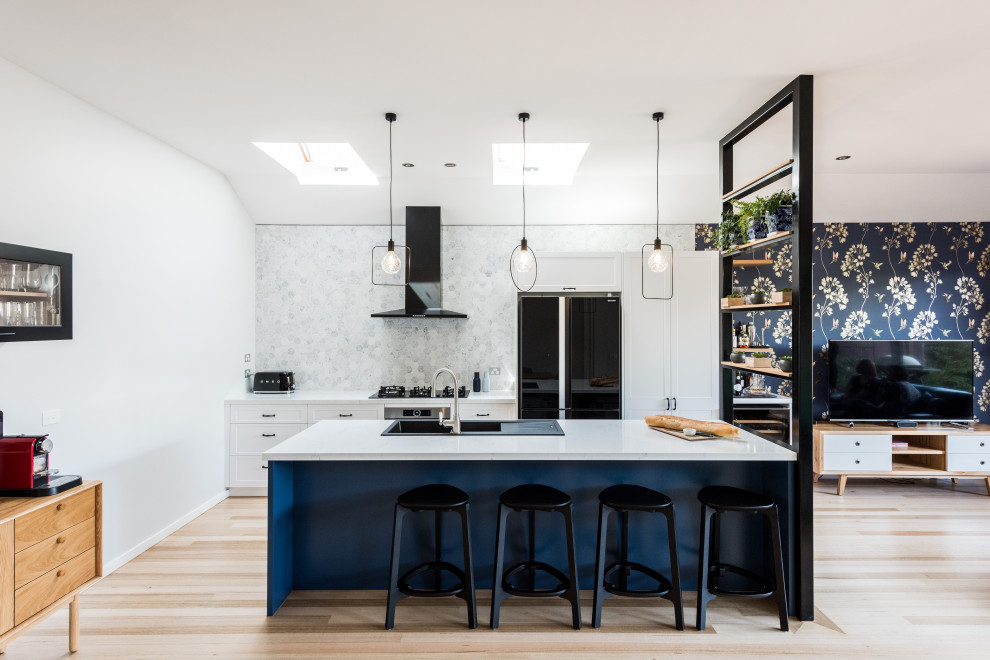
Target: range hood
{"x": 424, "y": 293}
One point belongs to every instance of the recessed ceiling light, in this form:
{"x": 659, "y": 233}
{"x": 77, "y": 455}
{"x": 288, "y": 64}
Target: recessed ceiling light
{"x": 408, "y": 165}
{"x": 321, "y": 163}
{"x": 450, "y": 164}
{"x": 843, "y": 157}
{"x": 547, "y": 164}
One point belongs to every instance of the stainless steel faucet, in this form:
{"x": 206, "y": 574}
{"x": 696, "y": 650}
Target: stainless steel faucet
{"x": 454, "y": 423}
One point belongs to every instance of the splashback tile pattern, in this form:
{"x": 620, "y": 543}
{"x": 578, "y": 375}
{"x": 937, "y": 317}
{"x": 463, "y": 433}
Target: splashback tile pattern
{"x": 315, "y": 299}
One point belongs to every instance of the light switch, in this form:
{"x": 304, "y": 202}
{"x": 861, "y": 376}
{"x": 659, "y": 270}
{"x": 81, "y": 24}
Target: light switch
{"x": 49, "y": 417}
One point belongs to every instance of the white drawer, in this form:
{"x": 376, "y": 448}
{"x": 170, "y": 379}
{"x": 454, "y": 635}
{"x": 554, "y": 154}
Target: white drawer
{"x": 487, "y": 410}
{"x": 256, "y": 438}
{"x": 967, "y": 462}
{"x": 248, "y": 471}
{"x": 857, "y": 443}
{"x": 968, "y": 444}
{"x": 318, "y": 413}
{"x": 858, "y": 461}
{"x": 268, "y": 414}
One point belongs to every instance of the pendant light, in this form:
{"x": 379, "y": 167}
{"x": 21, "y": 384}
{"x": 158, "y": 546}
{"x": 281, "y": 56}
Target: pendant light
{"x": 661, "y": 257}
{"x": 385, "y": 267}
{"x": 522, "y": 262}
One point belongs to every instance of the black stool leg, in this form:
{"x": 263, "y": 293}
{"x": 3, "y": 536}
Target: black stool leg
{"x": 624, "y": 552}
{"x": 531, "y": 572}
{"x": 675, "y": 570}
{"x": 498, "y": 594}
{"x": 573, "y": 593}
{"x": 780, "y": 591}
{"x": 394, "y": 595}
{"x": 703, "y": 553}
{"x": 468, "y": 593}
{"x": 438, "y": 547}
{"x": 600, "y": 593}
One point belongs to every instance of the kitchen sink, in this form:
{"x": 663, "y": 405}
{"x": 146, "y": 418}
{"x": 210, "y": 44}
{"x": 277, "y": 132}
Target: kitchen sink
{"x": 476, "y": 427}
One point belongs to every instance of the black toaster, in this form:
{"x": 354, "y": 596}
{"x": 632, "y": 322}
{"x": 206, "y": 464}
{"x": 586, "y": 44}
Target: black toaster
{"x": 274, "y": 381}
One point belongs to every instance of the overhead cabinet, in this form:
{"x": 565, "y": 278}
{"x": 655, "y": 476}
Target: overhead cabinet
{"x": 593, "y": 272}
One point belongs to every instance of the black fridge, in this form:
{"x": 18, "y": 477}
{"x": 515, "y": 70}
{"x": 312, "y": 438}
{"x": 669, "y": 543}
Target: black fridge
{"x": 570, "y": 357}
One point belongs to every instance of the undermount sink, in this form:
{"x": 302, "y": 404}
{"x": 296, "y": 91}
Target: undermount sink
{"x": 476, "y": 427}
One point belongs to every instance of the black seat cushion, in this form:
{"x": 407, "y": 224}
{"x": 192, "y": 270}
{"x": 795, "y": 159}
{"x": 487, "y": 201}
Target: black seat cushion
{"x": 737, "y": 499}
{"x": 630, "y": 496}
{"x": 433, "y": 496}
{"x": 534, "y": 496}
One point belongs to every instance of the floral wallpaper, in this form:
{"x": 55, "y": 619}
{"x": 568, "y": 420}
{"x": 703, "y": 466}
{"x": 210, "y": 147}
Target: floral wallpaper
{"x": 883, "y": 281}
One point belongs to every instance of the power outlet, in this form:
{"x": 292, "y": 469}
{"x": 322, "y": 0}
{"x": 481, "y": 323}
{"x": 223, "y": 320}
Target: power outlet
{"x": 247, "y": 357}
{"x": 49, "y": 417}
{"x": 494, "y": 371}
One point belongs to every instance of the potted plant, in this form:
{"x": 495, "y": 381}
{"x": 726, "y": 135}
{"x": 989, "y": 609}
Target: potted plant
{"x": 754, "y": 215}
{"x": 758, "y": 297}
{"x": 779, "y": 208}
{"x": 758, "y": 360}
{"x": 737, "y": 356}
{"x": 785, "y": 363}
{"x": 729, "y": 232}
{"x": 732, "y": 300}
{"x": 782, "y": 296}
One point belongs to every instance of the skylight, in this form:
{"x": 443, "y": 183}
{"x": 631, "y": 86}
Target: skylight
{"x": 547, "y": 164}
{"x": 321, "y": 163}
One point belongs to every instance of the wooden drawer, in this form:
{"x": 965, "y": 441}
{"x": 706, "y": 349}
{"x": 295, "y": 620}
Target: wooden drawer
{"x": 38, "y": 525}
{"x": 858, "y": 461}
{"x": 45, "y": 590}
{"x": 256, "y": 438}
{"x": 320, "y": 413}
{"x": 968, "y": 444}
{"x": 857, "y": 443}
{"x": 268, "y": 413}
{"x": 487, "y": 410}
{"x": 42, "y": 557}
{"x": 248, "y": 470}
{"x": 967, "y": 462}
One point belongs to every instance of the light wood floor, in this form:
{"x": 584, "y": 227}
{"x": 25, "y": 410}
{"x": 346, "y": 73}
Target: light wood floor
{"x": 902, "y": 570}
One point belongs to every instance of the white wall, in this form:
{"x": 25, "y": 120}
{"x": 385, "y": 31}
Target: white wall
{"x": 163, "y": 256}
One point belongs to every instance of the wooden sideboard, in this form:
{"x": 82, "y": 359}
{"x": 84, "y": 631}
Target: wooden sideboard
{"x": 866, "y": 450}
{"x": 51, "y": 549}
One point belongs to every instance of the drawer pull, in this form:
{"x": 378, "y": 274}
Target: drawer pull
{"x": 983, "y": 444}
{"x": 267, "y": 435}
{"x": 983, "y": 462}
{"x": 345, "y": 415}
{"x": 59, "y": 507}
{"x": 857, "y": 443}
{"x": 60, "y": 573}
{"x": 857, "y": 461}
{"x": 482, "y": 414}
{"x": 60, "y": 539}
{"x": 267, "y": 414}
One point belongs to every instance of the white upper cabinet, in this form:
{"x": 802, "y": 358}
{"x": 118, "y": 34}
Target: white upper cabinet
{"x": 561, "y": 272}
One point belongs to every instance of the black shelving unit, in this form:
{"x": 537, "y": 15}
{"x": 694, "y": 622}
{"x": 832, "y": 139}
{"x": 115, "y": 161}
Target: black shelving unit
{"x": 799, "y": 95}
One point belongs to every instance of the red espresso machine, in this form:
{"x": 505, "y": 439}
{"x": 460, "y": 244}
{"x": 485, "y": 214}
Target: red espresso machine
{"x": 24, "y": 467}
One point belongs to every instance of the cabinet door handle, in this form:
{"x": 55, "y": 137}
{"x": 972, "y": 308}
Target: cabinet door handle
{"x": 570, "y": 288}
{"x": 668, "y": 403}
{"x": 267, "y": 414}
{"x": 59, "y": 507}
{"x": 482, "y": 414}
{"x": 267, "y": 435}
{"x": 60, "y": 573}
{"x": 264, "y": 467}
{"x": 59, "y": 540}
{"x": 675, "y": 403}
{"x": 346, "y": 415}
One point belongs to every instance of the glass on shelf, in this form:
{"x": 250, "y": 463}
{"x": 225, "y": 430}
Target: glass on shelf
{"x": 30, "y": 294}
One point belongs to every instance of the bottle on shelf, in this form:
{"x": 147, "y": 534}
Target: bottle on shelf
{"x": 743, "y": 337}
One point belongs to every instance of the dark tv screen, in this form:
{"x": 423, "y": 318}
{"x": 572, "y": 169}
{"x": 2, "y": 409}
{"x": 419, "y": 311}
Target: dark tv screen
{"x": 900, "y": 380}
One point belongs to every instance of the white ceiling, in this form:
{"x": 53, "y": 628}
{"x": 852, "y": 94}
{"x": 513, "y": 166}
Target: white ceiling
{"x": 901, "y": 85}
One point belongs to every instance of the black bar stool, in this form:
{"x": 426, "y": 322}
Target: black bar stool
{"x": 438, "y": 498}
{"x": 715, "y": 501}
{"x": 532, "y": 498}
{"x": 622, "y": 499}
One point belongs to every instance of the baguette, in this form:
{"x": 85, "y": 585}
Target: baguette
{"x": 680, "y": 423}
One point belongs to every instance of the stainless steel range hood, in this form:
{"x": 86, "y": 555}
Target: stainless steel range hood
{"x": 424, "y": 292}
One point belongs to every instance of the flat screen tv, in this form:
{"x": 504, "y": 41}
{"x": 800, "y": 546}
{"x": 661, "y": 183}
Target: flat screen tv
{"x": 890, "y": 381}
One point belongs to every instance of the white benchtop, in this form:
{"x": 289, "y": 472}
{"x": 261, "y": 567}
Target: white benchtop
{"x": 584, "y": 440}
{"x": 352, "y": 397}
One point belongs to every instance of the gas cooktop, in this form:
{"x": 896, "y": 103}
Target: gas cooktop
{"x": 418, "y": 392}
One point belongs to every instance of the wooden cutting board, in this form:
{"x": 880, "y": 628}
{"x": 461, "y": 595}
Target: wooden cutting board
{"x": 684, "y": 436}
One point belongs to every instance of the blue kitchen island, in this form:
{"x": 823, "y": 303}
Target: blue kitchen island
{"x": 333, "y": 486}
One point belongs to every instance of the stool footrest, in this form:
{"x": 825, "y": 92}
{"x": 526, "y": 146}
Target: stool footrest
{"x": 663, "y": 584}
{"x": 762, "y": 591}
{"x": 432, "y": 567}
{"x": 530, "y": 567}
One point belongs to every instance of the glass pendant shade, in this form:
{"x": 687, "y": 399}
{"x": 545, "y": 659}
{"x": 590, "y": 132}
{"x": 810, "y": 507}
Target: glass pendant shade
{"x": 523, "y": 258}
{"x": 391, "y": 262}
{"x": 658, "y": 261}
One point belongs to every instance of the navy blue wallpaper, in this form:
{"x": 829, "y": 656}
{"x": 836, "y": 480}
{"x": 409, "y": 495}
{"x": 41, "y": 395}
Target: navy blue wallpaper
{"x": 883, "y": 281}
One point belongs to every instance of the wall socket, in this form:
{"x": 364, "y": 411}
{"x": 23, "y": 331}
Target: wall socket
{"x": 49, "y": 417}
{"x": 494, "y": 371}
{"x": 247, "y": 357}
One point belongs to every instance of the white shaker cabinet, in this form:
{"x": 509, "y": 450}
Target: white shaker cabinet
{"x": 670, "y": 347}
{"x": 593, "y": 272}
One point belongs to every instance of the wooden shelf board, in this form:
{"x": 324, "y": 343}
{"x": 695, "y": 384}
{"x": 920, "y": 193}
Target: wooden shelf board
{"x": 767, "y": 178}
{"x": 754, "y": 349}
{"x": 23, "y": 294}
{"x": 767, "y": 371}
{"x": 760, "y": 242}
{"x": 749, "y": 263}
{"x": 917, "y": 450}
{"x": 742, "y": 308}
{"x": 759, "y": 421}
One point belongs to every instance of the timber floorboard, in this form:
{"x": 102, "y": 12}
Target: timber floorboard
{"x": 902, "y": 570}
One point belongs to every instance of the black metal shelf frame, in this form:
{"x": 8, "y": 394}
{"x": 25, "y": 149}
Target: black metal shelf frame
{"x": 799, "y": 94}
